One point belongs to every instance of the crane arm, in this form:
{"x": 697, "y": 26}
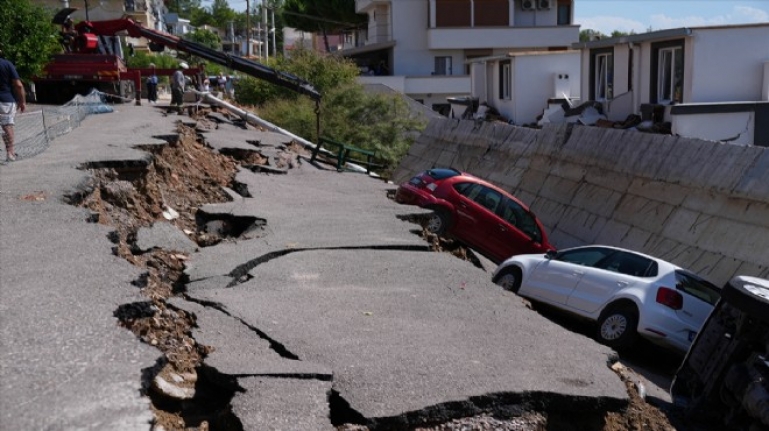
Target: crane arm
{"x": 244, "y": 65}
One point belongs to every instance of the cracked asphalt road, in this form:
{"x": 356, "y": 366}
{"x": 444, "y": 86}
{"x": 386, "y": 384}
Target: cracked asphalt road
{"x": 353, "y": 301}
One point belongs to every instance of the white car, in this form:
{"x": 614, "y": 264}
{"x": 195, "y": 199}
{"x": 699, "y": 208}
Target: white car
{"x": 625, "y": 292}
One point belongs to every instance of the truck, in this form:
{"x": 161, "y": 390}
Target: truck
{"x": 95, "y": 61}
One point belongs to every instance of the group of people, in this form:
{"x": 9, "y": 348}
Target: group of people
{"x": 178, "y": 84}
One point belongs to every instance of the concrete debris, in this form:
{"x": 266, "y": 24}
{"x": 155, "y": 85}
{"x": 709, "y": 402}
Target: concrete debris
{"x": 171, "y": 390}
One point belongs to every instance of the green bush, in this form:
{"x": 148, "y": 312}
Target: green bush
{"x": 377, "y": 122}
{"x": 27, "y": 36}
{"x": 323, "y": 72}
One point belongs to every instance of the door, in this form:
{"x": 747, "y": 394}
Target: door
{"x": 607, "y": 277}
{"x": 475, "y": 208}
{"x": 554, "y": 280}
{"x": 507, "y": 236}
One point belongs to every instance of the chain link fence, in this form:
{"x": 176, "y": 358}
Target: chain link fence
{"x": 35, "y": 129}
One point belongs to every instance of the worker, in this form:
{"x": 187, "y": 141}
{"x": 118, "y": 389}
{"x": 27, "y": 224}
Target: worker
{"x": 177, "y": 87}
{"x": 68, "y": 34}
{"x": 152, "y": 85}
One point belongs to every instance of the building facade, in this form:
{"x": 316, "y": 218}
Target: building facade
{"x": 709, "y": 82}
{"x": 422, "y": 47}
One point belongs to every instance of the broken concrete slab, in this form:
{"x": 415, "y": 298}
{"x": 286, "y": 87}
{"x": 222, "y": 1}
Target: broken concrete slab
{"x": 233, "y": 340}
{"x": 283, "y": 404}
{"x": 209, "y": 283}
{"x": 166, "y": 236}
{"x": 404, "y": 331}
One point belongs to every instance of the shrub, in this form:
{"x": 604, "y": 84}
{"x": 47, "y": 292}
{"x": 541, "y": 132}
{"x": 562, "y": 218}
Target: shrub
{"x": 377, "y": 122}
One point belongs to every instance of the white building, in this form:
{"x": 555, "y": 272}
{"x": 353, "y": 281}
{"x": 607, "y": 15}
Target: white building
{"x": 425, "y": 44}
{"x": 520, "y": 86}
{"x": 709, "y": 82}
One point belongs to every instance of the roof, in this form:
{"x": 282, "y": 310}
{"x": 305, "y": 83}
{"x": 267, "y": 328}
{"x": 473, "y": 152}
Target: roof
{"x": 657, "y": 35}
{"x": 517, "y": 54}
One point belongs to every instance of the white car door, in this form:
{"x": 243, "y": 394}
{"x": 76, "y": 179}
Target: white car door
{"x": 601, "y": 283}
{"x": 553, "y": 280}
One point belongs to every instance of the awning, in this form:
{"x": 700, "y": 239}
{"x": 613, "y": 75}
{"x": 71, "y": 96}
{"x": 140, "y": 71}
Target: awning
{"x": 364, "y": 49}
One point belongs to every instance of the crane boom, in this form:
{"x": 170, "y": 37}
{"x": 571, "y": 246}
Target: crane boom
{"x": 244, "y": 65}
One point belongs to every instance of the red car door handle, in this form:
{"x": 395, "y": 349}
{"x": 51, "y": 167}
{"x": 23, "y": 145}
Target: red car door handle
{"x": 502, "y": 227}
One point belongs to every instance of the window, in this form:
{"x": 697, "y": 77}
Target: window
{"x": 505, "y": 80}
{"x": 453, "y": 13}
{"x": 697, "y": 287}
{"x": 584, "y": 256}
{"x": 442, "y": 66}
{"x": 630, "y": 264}
{"x": 667, "y": 72}
{"x": 517, "y": 216}
{"x": 491, "y": 13}
{"x": 603, "y": 76}
{"x": 564, "y": 12}
{"x": 670, "y": 74}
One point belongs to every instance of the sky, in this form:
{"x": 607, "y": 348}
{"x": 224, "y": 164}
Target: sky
{"x": 638, "y": 16}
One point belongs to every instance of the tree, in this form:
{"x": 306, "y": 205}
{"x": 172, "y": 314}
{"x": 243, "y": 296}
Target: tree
{"x": 589, "y": 34}
{"x": 27, "y": 36}
{"x": 183, "y": 7}
{"x": 205, "y": 37}
{"x": 201, "y": 16}
{"x": 322, "y": 16}
{"x": 222, "y": 14}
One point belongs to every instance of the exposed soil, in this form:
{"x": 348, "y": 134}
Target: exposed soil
{"x": 184, "y": 175}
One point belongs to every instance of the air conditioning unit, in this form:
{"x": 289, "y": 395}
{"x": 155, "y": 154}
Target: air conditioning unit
{"x": 528, "y": 4}
{"x": 544, "y": 4}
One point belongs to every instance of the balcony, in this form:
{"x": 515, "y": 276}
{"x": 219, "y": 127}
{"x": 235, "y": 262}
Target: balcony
{"x": 502, "y": 37}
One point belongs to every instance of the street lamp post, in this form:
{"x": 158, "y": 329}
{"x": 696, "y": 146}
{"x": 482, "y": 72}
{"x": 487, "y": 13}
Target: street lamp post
{"x": 86, "y": 11}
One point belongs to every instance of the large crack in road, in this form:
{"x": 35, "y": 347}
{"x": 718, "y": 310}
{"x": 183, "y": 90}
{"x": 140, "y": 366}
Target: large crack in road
{"x": 186, "y": 393}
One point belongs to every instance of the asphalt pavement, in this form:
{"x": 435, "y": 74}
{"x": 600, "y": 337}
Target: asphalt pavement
{"x": 336, "y": 311}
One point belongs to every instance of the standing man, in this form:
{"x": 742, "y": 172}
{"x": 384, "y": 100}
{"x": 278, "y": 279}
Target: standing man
{"x": 177, "y": 87}
{"x": 152, "y": 85}
{"x": 11, "y": 96}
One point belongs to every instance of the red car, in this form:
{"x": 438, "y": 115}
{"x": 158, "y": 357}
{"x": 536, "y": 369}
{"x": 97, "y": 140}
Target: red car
{"x": 475, "y": 212}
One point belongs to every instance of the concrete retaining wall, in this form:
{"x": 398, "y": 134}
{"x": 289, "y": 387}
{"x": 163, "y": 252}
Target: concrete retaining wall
{"x": 702, "y": 205}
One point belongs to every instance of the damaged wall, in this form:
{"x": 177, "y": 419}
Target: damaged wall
{"x": 700, "y": 204}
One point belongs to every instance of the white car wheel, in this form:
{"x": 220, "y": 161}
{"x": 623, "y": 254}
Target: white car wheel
{"x": 617, "y": 326}
{"x": 509, "y": 279}
{"x": 613, "y": 327}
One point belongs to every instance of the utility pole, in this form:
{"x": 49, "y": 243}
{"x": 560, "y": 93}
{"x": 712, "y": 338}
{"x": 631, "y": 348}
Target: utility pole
{"x": 266, "y": 31}
{"x": 248, "y": 28}
{"x": 272, "y": 29}
{"x": 232, "y": 33}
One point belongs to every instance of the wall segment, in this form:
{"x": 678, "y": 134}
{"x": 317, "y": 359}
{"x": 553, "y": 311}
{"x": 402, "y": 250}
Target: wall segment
{"x": 700, "y": 204}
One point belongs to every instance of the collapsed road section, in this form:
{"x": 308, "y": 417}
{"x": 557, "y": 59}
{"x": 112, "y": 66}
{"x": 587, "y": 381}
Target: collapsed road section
{"x": 337, "y": 316}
